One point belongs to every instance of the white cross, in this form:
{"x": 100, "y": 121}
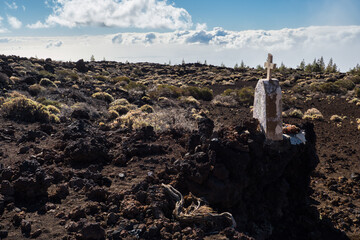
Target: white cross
{"x": 270, "y": 66}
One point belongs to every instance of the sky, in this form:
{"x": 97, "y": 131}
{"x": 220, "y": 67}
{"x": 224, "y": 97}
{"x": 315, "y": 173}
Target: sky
{"x": 220, "y": 32}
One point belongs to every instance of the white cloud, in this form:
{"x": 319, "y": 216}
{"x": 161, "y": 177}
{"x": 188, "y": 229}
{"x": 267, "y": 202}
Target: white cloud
{"x": 54, "y": 44}
{"x": 11, "y": 5}
{"x": 289, "y": 46}
{"x": 37, "y": 25}
{"x": 156, "y": 14}
{"x": 14, "y": 22}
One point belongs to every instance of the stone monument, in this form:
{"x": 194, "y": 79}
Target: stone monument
{"x": 268, "y": 104}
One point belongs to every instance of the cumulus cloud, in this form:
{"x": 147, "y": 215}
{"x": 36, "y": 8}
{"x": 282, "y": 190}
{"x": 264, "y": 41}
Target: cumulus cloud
{"x": 156, "y": 14}
{"x": 54, "y": 44}
{"x": 37, "y": 25}
{"x": 284, "y": 39}
{"x": 14, "y": 22}
{"x": 216, "y": 46}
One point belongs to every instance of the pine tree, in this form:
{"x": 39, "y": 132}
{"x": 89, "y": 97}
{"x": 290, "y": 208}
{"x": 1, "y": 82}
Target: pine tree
{"x": 92, "y": 58}
{"x": 302, "y": 65}
{"x": 321, "y": 64}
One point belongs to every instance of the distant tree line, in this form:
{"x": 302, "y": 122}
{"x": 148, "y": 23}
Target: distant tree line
{"x": 318, "y": 66}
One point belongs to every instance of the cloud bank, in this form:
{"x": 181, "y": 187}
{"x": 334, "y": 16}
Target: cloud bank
{"x": 156, "y": 14}
{"x": 216, "y": 46}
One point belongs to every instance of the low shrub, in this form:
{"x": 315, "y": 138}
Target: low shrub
{"x": 103, "y": 96}
{"x": 4, "y": 80}
{"x": 245, "y": 96}
{"x": 25, "y": 109}
{"x": 48, "y": 102}
{"x": 357, "y": 92}
{"x": 53, "y": 109}
{"x": 113, "y": 114}
{"x": 120, "y": 79}
{"x": 336, "y": 118}
{"x": 121, "y": 106}
{"x": 204, "y": 93}
{"x": 313, "y": 114}
{"x": 135, "y": 85}
{"x": 165, "y": 90}
{"x": 329, "y": 88}
{"x": 35, "y": 89}
{"x": 101, "y": 78}
{"x": 46, "y": 74}
{"x": 63, "y": 74}
{"x": 161, "y": 120}
{"x": 346, "y": 84}
{"x": 147, "y": 108}
{"x": 296, "y": 113}
{"x": 190, "y": 100}
{"x": 45, "y": 82}
{"x": 224, "y": 101}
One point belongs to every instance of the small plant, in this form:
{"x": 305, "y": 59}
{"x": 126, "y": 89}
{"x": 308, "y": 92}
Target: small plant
{"x": 113, "y": 114}
{"x": 101, "y": 78}
{"x": 45, "y": 82}
{"x": 25, "y": 109}
{"x": 120, "y": 79}
{"x": 245, "y": 96}
{"x": 313, "y": 114}
{"x": 48, "y": 102}
{"x": 103, "y": 96}
{"x": 147, "y": 108}
{"x": 165, "y": 90}
{"x": 190, "y": 100}
{"x": 46, "y": 74}
{"x": 346, "y": 84}
{"x": 35, "y": 89}
{"x": 329, "y": 88}
{"x": 357, "y": 92}
{"x": 224, "y": 101}
{"x": 296, "y": 113}
{"x": 204, "y": 93}
{"x": 336, "y": 118}
{"x": 136, "y": 86}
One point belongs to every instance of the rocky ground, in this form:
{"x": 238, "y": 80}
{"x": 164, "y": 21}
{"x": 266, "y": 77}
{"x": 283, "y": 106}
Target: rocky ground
{"x": 85, "y": 148}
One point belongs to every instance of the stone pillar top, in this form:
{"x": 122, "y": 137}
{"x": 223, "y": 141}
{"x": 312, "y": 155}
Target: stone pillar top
{"x": 269, "y": 65}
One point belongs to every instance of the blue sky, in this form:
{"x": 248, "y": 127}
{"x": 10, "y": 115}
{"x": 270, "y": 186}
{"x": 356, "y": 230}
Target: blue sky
{"x": 230, "y": 30}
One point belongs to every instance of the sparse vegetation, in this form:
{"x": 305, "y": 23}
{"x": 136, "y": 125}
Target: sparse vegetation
{"x": 313, "y": 114}
{"x": 35, "y": 89}
{"x": 245, "y": 96}
{"x": 45, "y": 82}
{"x": 103, "y": 96}
{"x": 25, "y": 109}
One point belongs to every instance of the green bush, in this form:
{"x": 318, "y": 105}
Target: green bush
{"x": 329, "y": 88}
{"x": 165, "y": 90}
{"x": 354, "y": 78}
{"x": 45, "y": 82}
{"x": 357, "y": 92}
{"x": 345, "y": 83}
{"x": 48, "y": 102}
{"x": 135, "y": 85}
{"x": 244, "y": 96}
{"x": 24, "y": 109}
{"x": 204, "y": 93}
{"x": 103, "y": 96}
{"x": 120, "y": 79}
{"x": 61, "y": 74}
{"x": 101, "y": 78}
{"x": 147, "y": 108}
{"x": 35, "y": 89}
{"x": 46, "y": 74}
